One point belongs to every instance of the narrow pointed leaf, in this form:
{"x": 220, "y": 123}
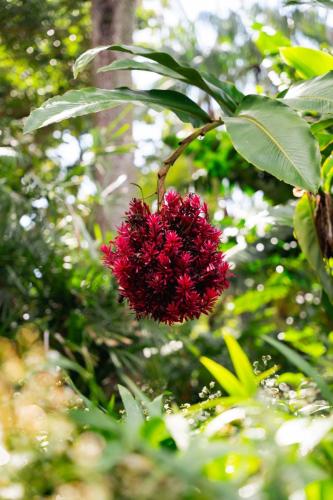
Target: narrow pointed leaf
{"x": 241, "y": 364}
{"x": 212, "y": 403}
{"x": 275, "y": 139}
{"x": 133, "y": 411}
{"x": 131, "y": 64}
{"x": 302, "y": 365}
{"x": 154, "y": 407}
{"x": 90, "y": 100}
{"x": 307, "y": 62}
{"x": 307, "y": 237}
{"x": 84, "y": 59}
{"x": 267, "y": 373}
{"x": 224, "y": 377}
{"x": 224, "y": 96}
{"x": 312, "y": 95}
{"x": 96, "y": 419}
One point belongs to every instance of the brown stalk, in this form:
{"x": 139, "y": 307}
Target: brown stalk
{"x": 168, "y": 162}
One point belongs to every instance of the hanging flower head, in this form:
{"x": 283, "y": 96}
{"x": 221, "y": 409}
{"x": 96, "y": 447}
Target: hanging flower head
{"x": 167, "y": 264}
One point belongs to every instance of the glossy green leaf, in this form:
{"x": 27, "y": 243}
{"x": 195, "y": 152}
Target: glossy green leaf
{"x": 307, "y": 62}
{"x": 312, "y": 95}
{"x": 224, "y": 377}
{"x": 241, "y": 364}
{"x": 225, "y": 96}
{"x": 231, "y": 95}
{"x": 90, "y": 100}
{"x": 302, "y": 365}
{"x": 131, "y": 64}
{"x": 307, "y": 237}
{"x": 274, "y": 138}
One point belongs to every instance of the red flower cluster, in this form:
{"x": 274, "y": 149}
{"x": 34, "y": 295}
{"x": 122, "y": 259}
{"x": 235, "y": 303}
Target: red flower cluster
{"x": 167, "y": 264}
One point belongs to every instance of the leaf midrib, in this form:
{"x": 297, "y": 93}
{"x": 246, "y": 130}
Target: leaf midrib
{"x": 278, "y": 145}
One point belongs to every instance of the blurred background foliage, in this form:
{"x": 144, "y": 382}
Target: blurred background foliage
{"x": 53, "y": 285}
{"x": 51, "y": 273}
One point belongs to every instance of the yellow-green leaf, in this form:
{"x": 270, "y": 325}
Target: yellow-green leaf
{"x": 224, "y": 377}
{"x": 241, "y": 364}
{"x": 307, "y": 62}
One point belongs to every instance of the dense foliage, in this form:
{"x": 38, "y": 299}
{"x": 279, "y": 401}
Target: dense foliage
{"x": 96, "y": 403}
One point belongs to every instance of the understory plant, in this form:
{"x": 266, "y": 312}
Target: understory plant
{"x": 251, "y": 436}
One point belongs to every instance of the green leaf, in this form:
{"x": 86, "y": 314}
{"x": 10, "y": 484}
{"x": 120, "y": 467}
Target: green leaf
{"x": 226, "y": 402}
{"x": 224, "y": 377}
{"x": 274, "y": 138}
{"x": 96, "y": 419}
{"x": 133, "y": 411}
{"x": 90, "y": 100}
{"x": 84, "y": 59}
{"x": 154, "y": 407}
{"x": 131, "y": 64}
{"x": 327, "y": 173}
{"x": 224, "y": 96}
{"x": 267, "y": 373}
{"x": 312, "y": 95}
{"x": 241, "y": 364}
{"x": 307, "y": 62}
{"x": 269, "y": 44}
{"x": 324, "y": 3}
{"x": 321, "y": 125}
{"x": 231, "y": 95}
{"x": 319, "y": 490}
{"x": 155, "y": 431}
{"x": 302, "y": 365}
{"x": 307, "y": 237}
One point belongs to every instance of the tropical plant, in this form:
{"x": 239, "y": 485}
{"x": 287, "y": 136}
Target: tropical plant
{"x": 282, "y": 136}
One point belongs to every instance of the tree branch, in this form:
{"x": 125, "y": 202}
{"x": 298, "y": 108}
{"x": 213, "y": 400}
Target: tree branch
{"x": 168, "y": 162}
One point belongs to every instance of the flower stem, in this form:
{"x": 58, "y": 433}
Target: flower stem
{"x": 168, "y": 162}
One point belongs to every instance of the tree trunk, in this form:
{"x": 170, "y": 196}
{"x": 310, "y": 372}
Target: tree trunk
{"x": 113, "y": 22}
